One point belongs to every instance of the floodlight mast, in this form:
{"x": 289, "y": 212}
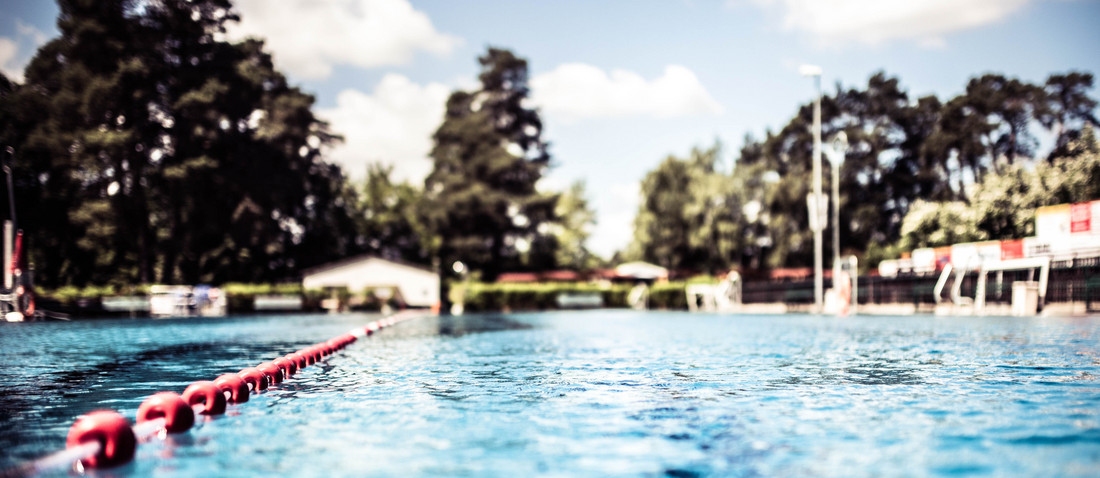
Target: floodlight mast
{"x": 839, "y": 150}
{"x": 11, "y": 191}
{"x": 817, "y": 226}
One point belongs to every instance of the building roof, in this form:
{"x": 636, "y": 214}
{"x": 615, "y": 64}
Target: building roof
{"x": 797, "y": 273}
{"x": 561, "y": 275}
{"x": 518, "y": 277}
{"x": 641, "y": 270}
{"x": 351, "y": 261}
{"x": 556, "y": 275}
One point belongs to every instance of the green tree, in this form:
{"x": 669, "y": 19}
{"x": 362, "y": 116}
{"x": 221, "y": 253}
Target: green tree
{"x": 934, "y": 224}
{"x": 150, "y": 149}
{"x": 878, "y": 178}
{"x": 753, "y": 185}
{"x": 689, "y": 217}
{"x": 905, "y": 151}
{"x": 1068, "y": 109}
{"x": 714, "y": 212}
{"x": 783, "y": 161}
{"x": 1008, "y": 105}
{"x": 661, "y": 228}
{"x": 571, "y": 229}
{"x": 392, "y": 225}
{"x": 1003, "y": 206}
{"x": 488, "y": 156}
{"x": 77, "y": 144}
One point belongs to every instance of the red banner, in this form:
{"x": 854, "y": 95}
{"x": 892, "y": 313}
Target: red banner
{"x": 1013, "y": 249}
{"x": 1080, "y": 217}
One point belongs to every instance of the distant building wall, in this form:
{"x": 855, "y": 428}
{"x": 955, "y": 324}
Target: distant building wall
{"x": 419, "y": 287}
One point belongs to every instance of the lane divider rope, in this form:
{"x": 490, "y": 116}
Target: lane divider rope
{"x": 105, "y": 438}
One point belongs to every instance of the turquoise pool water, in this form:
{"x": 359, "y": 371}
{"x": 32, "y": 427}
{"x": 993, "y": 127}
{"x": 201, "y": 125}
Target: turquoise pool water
{"x": 601, "y": 393}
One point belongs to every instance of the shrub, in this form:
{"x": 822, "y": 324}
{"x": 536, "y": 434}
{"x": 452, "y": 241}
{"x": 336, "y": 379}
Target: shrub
{"x": 478, "y": 296}
{"x": 237, "y": 288}
{"x": 241, "y": 297}
{"x": 311, "y": 299}
{"x": 240, "y": 303}
{"x": 70, "y": 295}
{"x": 668, "y": 295}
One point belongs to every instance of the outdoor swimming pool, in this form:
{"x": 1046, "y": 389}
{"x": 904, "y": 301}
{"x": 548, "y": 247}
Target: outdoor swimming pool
{"x": 583, "y": 393}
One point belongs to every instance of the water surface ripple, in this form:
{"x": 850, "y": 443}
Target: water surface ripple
{"x": 601, "y": 393}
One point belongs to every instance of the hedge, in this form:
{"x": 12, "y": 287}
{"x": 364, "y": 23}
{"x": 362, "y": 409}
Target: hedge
{"x": 668, "y": 295}
{"x": 239, "y": 296}
{"x": 69, "y": 295}
{"x": 478, "y": 296}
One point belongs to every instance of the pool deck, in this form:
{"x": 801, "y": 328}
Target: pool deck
{"x": 1062, "y": 309}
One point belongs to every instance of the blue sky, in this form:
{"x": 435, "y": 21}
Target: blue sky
{"x": 622, "y": 84}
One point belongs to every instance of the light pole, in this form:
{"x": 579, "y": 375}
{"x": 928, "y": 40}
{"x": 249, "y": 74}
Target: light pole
{"x": 815, "y": 208}
{"x": 840, "y": 148}
{"x": 459, "y": 308}
{"x": 11, "y": 190}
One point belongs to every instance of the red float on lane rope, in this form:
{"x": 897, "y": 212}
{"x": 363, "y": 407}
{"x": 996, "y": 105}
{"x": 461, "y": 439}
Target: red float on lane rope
{"x": 177, "y": 414}
{"x": 298, "y": 359}
{"x": 207, "y": 394}
{"x": 286, "y": 366}
{"x": 232, "y": 383}
{"x": 112, "y": 431}
{"x": 273, "y": 372}
{"x": 254, "y": 377}
{"x": 105, "y": 438}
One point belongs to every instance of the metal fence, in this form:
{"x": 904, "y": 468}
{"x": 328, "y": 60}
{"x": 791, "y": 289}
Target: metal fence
{"x": 1071, "y": 280}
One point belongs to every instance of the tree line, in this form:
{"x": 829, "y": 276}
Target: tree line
{"x": 912, "y": 161}
{"x": 148, "y": 148}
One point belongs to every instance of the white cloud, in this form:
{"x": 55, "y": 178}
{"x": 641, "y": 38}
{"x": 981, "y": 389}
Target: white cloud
{"x": 8, "y": 51}
{"x": 577, "y": 90}
{"x": 37, "y": 36}
{"x": 392, "y": 125}
{"x": 874, "y": 22}
{"x": 627, "y": 194}
{"x": 612, "y": 233}
{"x": 15, "y": 53}
{"x": 616, "y": 219}
{"x": 310, "y": 37}
{"x": 551, "y": 183}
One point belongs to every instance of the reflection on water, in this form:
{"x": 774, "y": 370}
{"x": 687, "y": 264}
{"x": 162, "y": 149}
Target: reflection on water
{"x": 457, "y": 326}
{"x": 592, "y": 393}
{"x": 882, "y": 372}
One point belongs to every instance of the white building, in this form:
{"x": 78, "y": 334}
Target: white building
{"x": 418, "y": 286}
{"x": 642, "y": 271}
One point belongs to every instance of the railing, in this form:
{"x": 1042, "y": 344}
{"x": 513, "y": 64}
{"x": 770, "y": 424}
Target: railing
{"x": 1071, "y": 280}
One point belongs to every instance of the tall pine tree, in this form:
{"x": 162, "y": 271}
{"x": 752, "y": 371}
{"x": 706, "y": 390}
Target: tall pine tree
{"x": 488, "y": 156}
{"x": 150, "y": 149}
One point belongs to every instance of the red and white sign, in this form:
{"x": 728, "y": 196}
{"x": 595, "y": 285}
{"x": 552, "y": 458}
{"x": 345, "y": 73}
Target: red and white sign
{"x": 1063, "y": 230}
{"x": 1052, "y": 221}
{"x": 1035, "y": 247}
{"x": 943, "y": 256}
{"x": 1095, "y": 223}
{"x": 1013, "y": 249}
{"x": 1080, "y": 218}
{"x": 965, "y": 256}
{"x": 989, "y": 251}
{"x": 924, "y": 260}
{"x": 1062, "y": 220}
